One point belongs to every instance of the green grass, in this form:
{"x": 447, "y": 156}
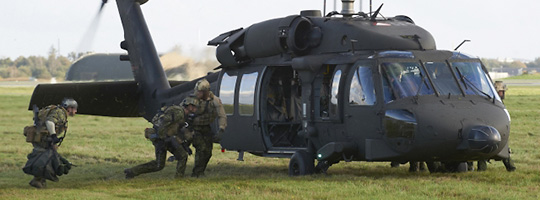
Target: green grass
{"x": 103, "y": 146}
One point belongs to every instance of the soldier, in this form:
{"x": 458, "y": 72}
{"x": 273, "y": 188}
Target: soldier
{"x": 209, "y": 108}
{"x": 50, "y": 121}
{"x": 501, "y": 88}
{"x": 168, "y": 123}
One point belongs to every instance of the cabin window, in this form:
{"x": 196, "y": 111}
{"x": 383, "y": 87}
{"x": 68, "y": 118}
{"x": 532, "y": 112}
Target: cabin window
{"x": 473, "y": 79}
{"x": 404, "y": 79}
{"x": 334, "y": 92}
{"x": 443, "y": 79}
{"x": 226, "y": 93}
{"x": 362, "y": 91}
{"x": 247, "y": 93}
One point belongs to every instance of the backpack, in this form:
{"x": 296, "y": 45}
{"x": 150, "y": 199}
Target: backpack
{"x": 167, "y": 119}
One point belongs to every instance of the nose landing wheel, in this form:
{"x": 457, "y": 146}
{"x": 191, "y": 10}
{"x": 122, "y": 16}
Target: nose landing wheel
{"x": 301, "y": 163}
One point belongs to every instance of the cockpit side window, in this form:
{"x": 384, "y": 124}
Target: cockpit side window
{"x": 473, "y": 79}
{"x": 362, "y": 92}
{"x": 334, "y": 93}
{"x": 226, "y": 92}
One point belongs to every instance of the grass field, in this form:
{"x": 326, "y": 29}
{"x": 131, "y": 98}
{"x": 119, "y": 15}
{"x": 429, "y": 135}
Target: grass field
{"x": 102, "y": 147}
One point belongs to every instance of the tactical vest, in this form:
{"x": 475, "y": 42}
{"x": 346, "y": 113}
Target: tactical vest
{"x": 56, "y": 114}
{"x": 206, "y": 112}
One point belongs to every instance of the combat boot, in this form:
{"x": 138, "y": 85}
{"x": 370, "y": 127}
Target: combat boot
{"x": 509, "y": 164}
{"x": 129, "y": 174}
{"x": 44, "y": 182}
{"x": 36, "y": 182}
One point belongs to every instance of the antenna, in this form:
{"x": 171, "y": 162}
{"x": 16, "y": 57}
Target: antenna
{"x": 370, "y": 7}
{"x": 324, "y": 7}
{"x": 461, "y": 44}
{"x": 376, "y": 13}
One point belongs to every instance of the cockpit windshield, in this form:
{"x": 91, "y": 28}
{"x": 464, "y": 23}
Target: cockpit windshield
{"x": 442, "y": 78}
{"x": 473, "y": 79}
{"x": 404, "y": 79}
{"x": 412, "y": 78}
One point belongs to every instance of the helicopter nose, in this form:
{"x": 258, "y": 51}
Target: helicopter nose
{"x": 484, "y": 139}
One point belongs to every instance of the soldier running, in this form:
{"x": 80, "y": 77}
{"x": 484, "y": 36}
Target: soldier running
{"x": 166, "y": 136}
{"x": 49, "y": 123}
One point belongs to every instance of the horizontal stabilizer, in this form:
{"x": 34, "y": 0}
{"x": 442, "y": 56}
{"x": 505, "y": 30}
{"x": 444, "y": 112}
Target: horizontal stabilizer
{"x": 116, "y": 99}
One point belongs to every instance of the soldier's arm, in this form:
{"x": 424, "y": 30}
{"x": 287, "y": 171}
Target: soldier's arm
{"x": 222, "y": 117}
{"x": 52, "y": 119}
{"x": 50, "y": 127}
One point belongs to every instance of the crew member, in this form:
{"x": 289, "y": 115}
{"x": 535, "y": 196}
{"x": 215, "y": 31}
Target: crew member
{"x": 52, "y": 121}
{"x": 209, "y": 109}
{"x": 167, "y": 136}
{"x": 501, "y": 88}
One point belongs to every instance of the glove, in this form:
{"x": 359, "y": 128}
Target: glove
{"x": 55, "y": 139}
{"x": 217, "y": 136}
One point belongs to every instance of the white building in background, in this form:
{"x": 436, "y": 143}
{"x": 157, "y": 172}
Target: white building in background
{"x": 498, "y": 75}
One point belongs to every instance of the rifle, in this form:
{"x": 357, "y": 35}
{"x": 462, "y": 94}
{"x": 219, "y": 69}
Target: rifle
{"x": 173, "y": 140}
{"x": 36, "y": 117}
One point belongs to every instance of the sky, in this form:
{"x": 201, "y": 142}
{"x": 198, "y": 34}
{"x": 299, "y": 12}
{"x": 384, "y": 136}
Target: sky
{"x": 496, "y": 28}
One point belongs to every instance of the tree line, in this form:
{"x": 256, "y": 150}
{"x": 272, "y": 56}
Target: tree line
{"x": 40, "y": 67}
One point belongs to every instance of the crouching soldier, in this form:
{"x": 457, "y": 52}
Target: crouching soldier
{"x": 44, "y": 162}
{"x": 167, "y": 136}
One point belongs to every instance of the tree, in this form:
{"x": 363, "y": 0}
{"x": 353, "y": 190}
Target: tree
{"x": 535, "y": 63}
{"x": 6, "y": 62}
{"x": 517, "y": 64}
{"x": 75, "y": 56}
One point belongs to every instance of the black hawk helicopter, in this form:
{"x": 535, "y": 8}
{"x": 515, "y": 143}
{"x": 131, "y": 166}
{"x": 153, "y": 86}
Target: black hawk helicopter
{"x": 342, "y": 87}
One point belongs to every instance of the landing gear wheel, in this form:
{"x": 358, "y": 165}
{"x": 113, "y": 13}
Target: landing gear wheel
{"x": 302, "y": 163}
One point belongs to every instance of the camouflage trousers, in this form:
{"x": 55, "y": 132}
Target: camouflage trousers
{"x": 202, "y": 141}
{"x": 43, "y": 144}
{"x": 161, "y": 148}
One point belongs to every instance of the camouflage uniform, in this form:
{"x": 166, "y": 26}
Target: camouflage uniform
{"x": 57, "y": 115}
{"x": 167, "y": 122}
{"x": 207, "y": 111}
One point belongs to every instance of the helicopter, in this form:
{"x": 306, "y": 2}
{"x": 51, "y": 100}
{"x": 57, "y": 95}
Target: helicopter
{"x": 346, "y": 86}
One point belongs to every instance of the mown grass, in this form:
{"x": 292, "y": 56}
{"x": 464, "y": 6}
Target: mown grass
{"x": 103, "y": 146}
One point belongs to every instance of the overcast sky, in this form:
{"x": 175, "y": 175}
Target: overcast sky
{"x": 497, "y": 28}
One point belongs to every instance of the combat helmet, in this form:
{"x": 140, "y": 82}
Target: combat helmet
{"x": 190, "y": 101}
{"x": 202, "y": 85}
{"x": 69, "y": 103}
